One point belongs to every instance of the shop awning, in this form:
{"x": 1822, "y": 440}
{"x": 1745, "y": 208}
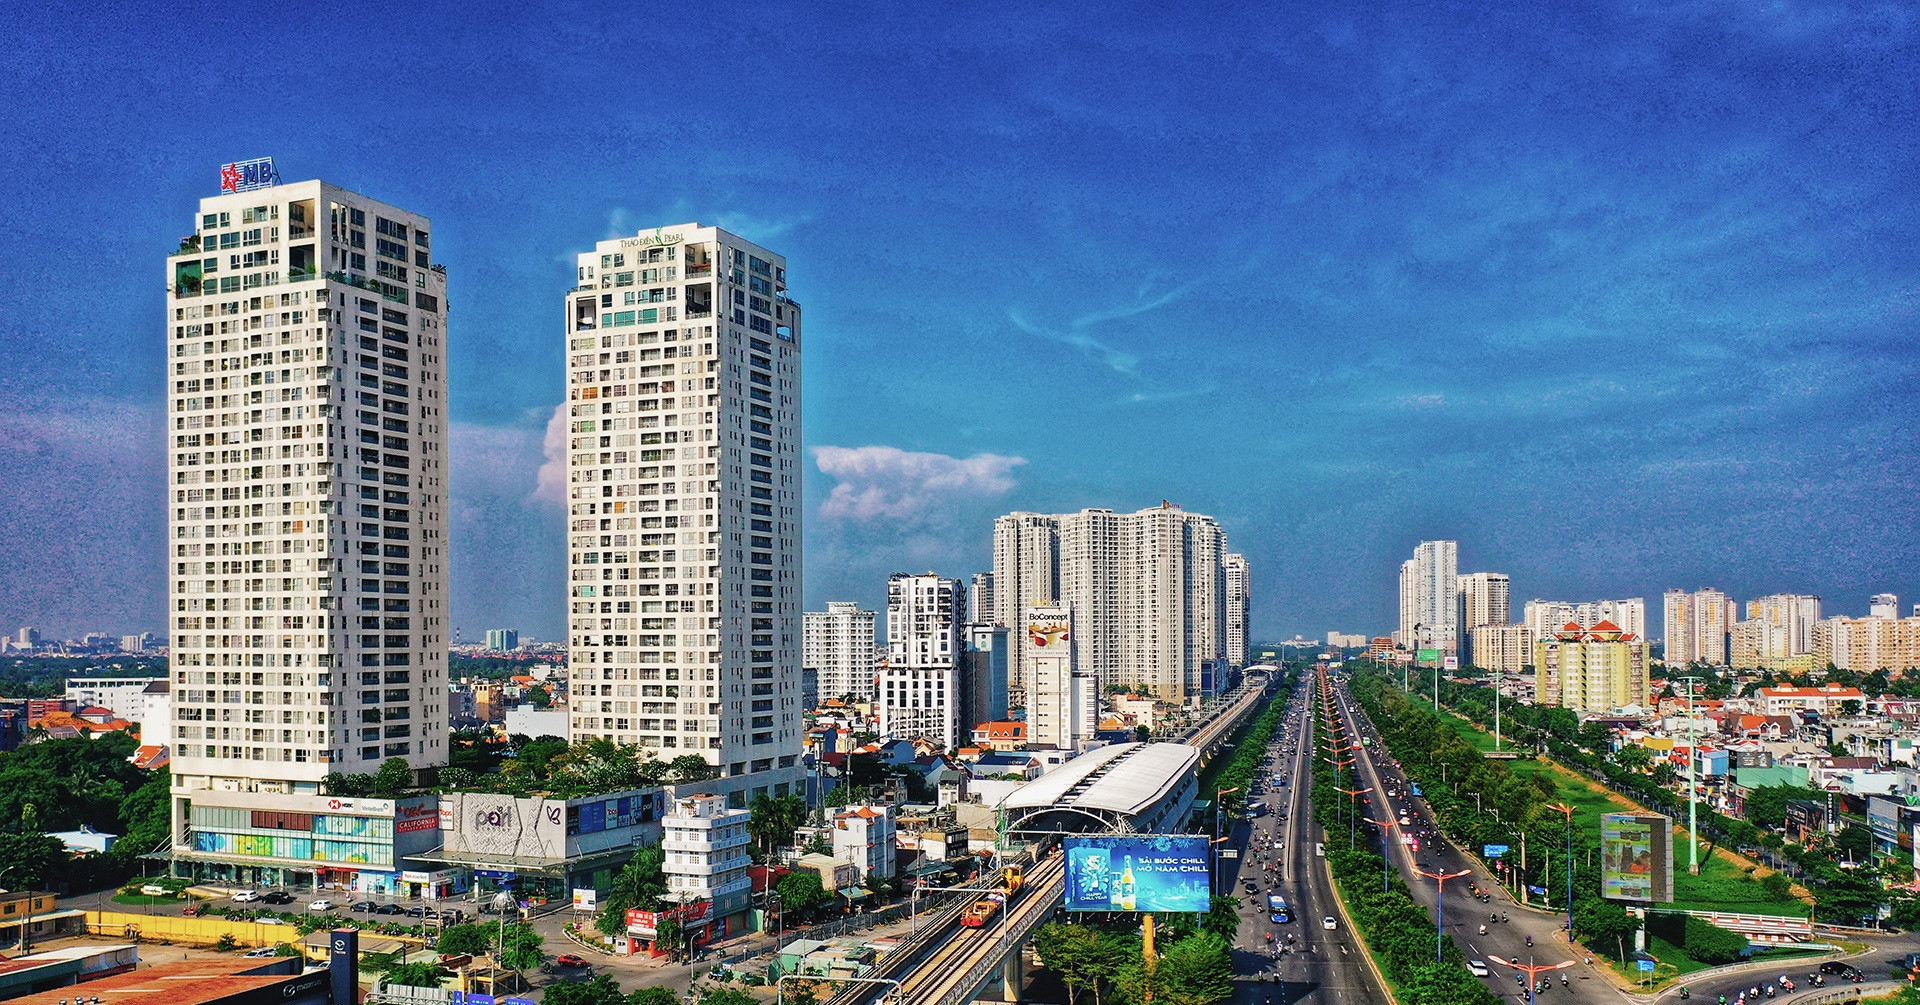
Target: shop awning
{"x": 49, "y": 916}
{"x": 524, "y": 863}
{"x": 855, "y": 893}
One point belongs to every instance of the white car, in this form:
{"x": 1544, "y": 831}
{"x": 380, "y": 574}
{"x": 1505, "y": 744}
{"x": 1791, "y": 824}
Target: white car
{"x": 268, "y": 921}
{"x": 246, "y": 897}
{"x": 321, "y": 905}
{"x": 1328, "y": 923}
{"x": 1477, "y": 968}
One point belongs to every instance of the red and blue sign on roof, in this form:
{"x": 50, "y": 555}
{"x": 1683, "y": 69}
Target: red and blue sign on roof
{"x": 245, "y": 176}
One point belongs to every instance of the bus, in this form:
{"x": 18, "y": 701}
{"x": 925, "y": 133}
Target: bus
{"x": 1277, "y": 905}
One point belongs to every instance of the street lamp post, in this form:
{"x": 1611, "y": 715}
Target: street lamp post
{"x": 1693, "y": 758}
{"x": 1213, "y": 884}
{"x": 1351, "y": 812}
{"x": 1533, "y": 972}
{"x": 1568, "y": 810}
{"x": 1386, "y": 847}
{"x": 1440, "y": 905}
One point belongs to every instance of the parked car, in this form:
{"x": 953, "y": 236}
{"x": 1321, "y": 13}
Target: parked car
{"x": 268, "y": 920}
{"x": 322, "y": 905}
{"x": 246, "y": 897}
{"x": 389, "y": 909}
{"x": 276, "y": 897}
{"x": 259, "y": 954}
{"x": 365, "y": 906}
{"x": 416, "y": 912}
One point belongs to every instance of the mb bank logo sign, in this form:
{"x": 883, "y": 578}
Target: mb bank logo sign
{"x": 1138, "y": 873}
{"x": 245, "y": 176}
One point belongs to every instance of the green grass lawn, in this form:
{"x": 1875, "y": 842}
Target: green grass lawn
{"x": 141, "y": 899}
{"x": 1721, "y": 884}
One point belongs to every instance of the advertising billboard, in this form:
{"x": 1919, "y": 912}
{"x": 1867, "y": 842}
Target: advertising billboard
{"x": 1049, "y": 628}
{"x": 1141, "y": 872}
{"x": 1636, "y": 857}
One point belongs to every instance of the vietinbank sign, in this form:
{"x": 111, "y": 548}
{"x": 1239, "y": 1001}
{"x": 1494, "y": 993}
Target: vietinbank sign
{"x": 245, "y": 176}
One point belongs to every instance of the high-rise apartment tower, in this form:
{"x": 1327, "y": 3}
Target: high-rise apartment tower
{"x": 683, "y": 503}
{"x": 306, "y": 503}
{"x": 920, "y": 692}
{"x": 1239, "y": 601}
{"x": 837, "y": 644}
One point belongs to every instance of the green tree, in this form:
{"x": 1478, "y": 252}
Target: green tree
{"x": 522, "y": 948}
{"x": 801, "y": 891}
{"x": 728, "y": 996}
{"x": 393, "y": 779}
{"x": 1766, "y": 806}
{"x": 653, "y": 996}
{"x": 1086, "y": 958}
{"x": 1633, "y": 757}
{"x": 599, "y": 991}
{"x": 458, "y": 778}
{"x": 1197, "y": 971}
{"x": 1223, "y": 918}
{"x": 1710, "y": 943}
{"x": 691, "y": 768}
{"x": 468, "y": 940}
{"x": 538, "y": 696}
{"x": 415, "y": 975}
{"x": 32, "y": 858}
{"x": 802, "y": 993}
{"x": 1776, "y": 885}
{"x": 638, "y": 886}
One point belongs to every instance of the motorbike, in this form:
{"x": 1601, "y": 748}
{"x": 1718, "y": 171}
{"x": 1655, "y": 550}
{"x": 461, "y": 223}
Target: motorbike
{"x": 1685, "y": 994}
{"x": 1483, "y": 929}
{"x": 1529, "y": 941}
{"x": 1769, "y": 991}
{"x": 1503, "y": 916}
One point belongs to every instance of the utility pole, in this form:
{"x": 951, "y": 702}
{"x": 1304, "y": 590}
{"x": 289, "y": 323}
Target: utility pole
{"x": 1693, "y": 758}
{"x": 1496, "y": 709}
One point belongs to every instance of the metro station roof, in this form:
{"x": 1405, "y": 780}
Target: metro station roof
{"x": 1123, "y": 778}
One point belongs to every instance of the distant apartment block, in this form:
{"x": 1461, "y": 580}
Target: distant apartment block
{"x": 1429, "y": 584}
{"x": 1148, "y": 592}
{"x": 503, "y": 640}
{"x": 837, "y": 645}
{"x": 1697, "y": 627}
{"x": 1239, "y": 602}
{"x": 920, "y": 691}
{"x": 1596, "y": 669}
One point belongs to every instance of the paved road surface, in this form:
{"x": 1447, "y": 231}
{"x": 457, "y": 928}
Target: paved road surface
{"x": 1325, "y": 967}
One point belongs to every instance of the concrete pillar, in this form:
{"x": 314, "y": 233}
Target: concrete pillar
{"x": 1013, "y": 974}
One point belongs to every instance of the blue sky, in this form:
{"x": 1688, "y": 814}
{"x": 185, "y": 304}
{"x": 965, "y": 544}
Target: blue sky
{"x": 1620, "y": 296}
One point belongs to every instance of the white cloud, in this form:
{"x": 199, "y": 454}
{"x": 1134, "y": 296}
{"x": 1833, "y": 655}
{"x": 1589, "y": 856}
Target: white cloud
{"x": 887, "y": 483}
{"x": 552, "y": 486}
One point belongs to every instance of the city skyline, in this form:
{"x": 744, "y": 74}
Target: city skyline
{"x": 1555, "y": 269}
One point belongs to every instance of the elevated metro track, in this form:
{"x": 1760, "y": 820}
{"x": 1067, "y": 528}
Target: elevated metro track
{"x": 945, "y": 963}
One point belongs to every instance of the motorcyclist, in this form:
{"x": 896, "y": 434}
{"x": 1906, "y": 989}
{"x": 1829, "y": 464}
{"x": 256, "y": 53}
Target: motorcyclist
{"x": 1529, "y": 941}
{"x": 1483, "y": 929}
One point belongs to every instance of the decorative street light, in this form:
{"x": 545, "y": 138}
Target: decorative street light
{"x": 1568, "y": 810}
{"x": 1693, "y": 758}
{"x": 1351, "y": 813}
{"x": 1440, "y": 904}
{"x": 1386, "y": 847}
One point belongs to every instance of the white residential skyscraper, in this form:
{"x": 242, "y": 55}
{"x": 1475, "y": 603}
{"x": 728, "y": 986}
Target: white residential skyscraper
{"x": 920, "y": 688}
{"x": 837, "y": 644}
{"x": 306, "y": 516}
{"x": 1148, "y": 591}
{"x": 1696, "y": 627}
{"x": 1239, "y": 600}
{"x": 1796, "y": 614}
{"x": 980, "y": 609}
{"x": 1429, "y": 582}
{"x": 683, "y": 489}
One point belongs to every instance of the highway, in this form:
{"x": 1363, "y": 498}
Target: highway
{"x": 1320, "y": 966}
{"x": 1379, "y": 775}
